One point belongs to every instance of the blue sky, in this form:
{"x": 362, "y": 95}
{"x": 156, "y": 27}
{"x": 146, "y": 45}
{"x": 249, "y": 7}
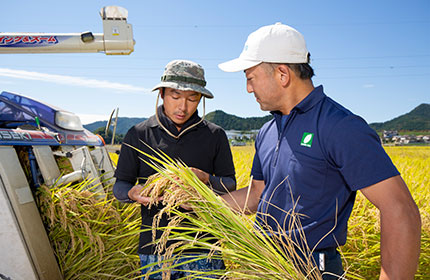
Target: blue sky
{"x": 373, "y": 57}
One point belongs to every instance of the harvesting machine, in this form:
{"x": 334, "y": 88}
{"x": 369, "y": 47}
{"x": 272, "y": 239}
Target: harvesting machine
{"x": 43, "y": 144}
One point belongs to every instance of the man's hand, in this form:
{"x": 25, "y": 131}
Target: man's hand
{"x": 135, "y": 194}
{"x": 245, "y": 200}
{"x": 203, "y": 176}
{"x": 186, "y": 206}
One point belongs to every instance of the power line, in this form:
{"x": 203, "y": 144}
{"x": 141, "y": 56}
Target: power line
{"x": 223, "y": 26}
{"x": 375, "y": 76}
{"x": 371, "y": 57}
{"x": 140, "y": 68}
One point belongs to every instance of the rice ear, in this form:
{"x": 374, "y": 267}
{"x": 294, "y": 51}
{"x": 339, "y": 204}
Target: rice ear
{"x": 254, "y": 253}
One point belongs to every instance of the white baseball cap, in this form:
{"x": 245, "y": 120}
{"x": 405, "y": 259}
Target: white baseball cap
{"x": 276, "y": 43}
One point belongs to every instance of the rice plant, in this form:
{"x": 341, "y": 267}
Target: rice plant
{"x": 92, "y": 238}
{"x": 98, "y": 238}
{"x": 250, "y": 251}
{"x": 242, "y": 157}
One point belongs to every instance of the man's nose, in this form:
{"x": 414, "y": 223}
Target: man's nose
{"x": 249, "y": 87}
{"x": 183, "y": 104}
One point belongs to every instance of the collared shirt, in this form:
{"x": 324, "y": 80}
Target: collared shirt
{"x": 313, "y": 161}
{"x": 204, "y": 146}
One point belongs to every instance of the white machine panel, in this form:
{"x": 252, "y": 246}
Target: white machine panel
{"x": 21, "y": 218}
{"x": 47, "y": 164}
{"x": 17, "y": 264}
{"x": 81, "y": 160}
{"x": 104, "y": 165}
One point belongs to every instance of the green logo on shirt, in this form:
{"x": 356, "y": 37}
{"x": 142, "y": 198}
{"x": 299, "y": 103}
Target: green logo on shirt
{"x": 307, "y": 139}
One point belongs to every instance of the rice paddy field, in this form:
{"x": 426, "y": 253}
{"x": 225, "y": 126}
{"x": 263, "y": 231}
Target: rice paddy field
{"x": 97, "y": 239}
{"x": 361, "y": 252}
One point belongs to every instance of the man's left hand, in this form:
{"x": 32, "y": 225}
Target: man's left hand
{"x": 203, "y": 176}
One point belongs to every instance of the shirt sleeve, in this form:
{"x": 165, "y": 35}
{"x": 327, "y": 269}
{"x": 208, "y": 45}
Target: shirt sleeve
{"x": 223, "y": 162}
{"x": 256, "y": 170}
{"x": 355, "y": 149}
{"x": 128, "y": 161}
{"x": 120, "y": 191}
{"x": 222, "y": 184}
{"x": 222, "y": 179}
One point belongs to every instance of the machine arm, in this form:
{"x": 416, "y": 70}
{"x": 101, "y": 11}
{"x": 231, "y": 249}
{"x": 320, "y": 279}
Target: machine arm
{"x": 117, "y": 38}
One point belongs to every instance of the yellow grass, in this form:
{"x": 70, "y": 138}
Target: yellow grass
{"x": 90, "y": 236}
{"x": 361, "y": 253}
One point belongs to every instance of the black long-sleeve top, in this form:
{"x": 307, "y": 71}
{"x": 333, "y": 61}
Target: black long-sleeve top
{"x": 205, "y": 146}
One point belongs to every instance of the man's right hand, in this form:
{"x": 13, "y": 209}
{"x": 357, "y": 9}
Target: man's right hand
{"x": 135, "y": 194}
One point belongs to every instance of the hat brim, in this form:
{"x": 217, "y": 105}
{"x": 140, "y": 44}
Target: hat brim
{"x": 238, "y": 64}
{"x": 185, "y": 86}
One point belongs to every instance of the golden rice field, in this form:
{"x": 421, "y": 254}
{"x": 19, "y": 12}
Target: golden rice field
{"x": 361, "y": 253}
{"x": 97, "y": 239}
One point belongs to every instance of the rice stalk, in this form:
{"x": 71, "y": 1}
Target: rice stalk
{"x": 250, "y": 251}
{"x": 360, "y": 254}
{"x": 92, "y": 238}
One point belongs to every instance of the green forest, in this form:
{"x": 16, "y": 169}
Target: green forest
{"x": 416, "y": 122}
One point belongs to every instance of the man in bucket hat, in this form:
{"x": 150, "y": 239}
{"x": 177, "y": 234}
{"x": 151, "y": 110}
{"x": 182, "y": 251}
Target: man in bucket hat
{"x": 177, "y": 130}
{"x": 313, "y": 157}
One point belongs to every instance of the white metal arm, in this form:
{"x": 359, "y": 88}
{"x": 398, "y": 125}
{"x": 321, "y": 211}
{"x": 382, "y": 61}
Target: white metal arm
{"x": 117, "y": 38}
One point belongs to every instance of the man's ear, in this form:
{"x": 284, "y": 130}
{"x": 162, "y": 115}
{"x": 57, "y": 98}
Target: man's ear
{"x": 161, "y": 92}
{"x": 284, "y": 73}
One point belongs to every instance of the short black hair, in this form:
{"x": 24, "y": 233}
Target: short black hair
{"x": 303, "y": 70}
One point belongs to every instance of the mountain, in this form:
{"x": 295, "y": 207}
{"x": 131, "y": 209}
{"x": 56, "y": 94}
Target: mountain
{"x": 229, "y": 122}
{"x": 218, "y": 117}
{"x": 124, "y": 124}
{"x": 417, "y": 119}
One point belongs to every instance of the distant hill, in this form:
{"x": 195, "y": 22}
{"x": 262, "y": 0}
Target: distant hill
{"x": 218, "y": 117}
{"x": 229, "y": 122}
{"x": 417, "y": 119}
{"x": 124, "y": 124}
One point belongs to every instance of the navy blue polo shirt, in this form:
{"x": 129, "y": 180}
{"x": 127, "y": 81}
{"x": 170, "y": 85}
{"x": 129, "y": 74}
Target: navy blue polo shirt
{"x": 314, "y": 160}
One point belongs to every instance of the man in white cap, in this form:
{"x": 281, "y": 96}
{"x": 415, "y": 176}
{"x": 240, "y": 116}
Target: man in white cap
{"x": 178, "y": 131}
{"x": 314, "y": 156}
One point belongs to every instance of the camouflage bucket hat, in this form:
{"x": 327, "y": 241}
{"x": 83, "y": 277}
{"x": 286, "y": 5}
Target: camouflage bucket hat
{"x": 184, "y": 75}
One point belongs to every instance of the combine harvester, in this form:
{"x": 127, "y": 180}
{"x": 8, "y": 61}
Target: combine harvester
{"x": 36, "y": 137}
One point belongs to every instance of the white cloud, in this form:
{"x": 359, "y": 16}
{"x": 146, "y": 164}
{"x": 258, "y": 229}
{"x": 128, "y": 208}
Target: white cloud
{"x": 369, "y": 86}
{"x": 69, "y": 80}
{"x": 90, "y": 118}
